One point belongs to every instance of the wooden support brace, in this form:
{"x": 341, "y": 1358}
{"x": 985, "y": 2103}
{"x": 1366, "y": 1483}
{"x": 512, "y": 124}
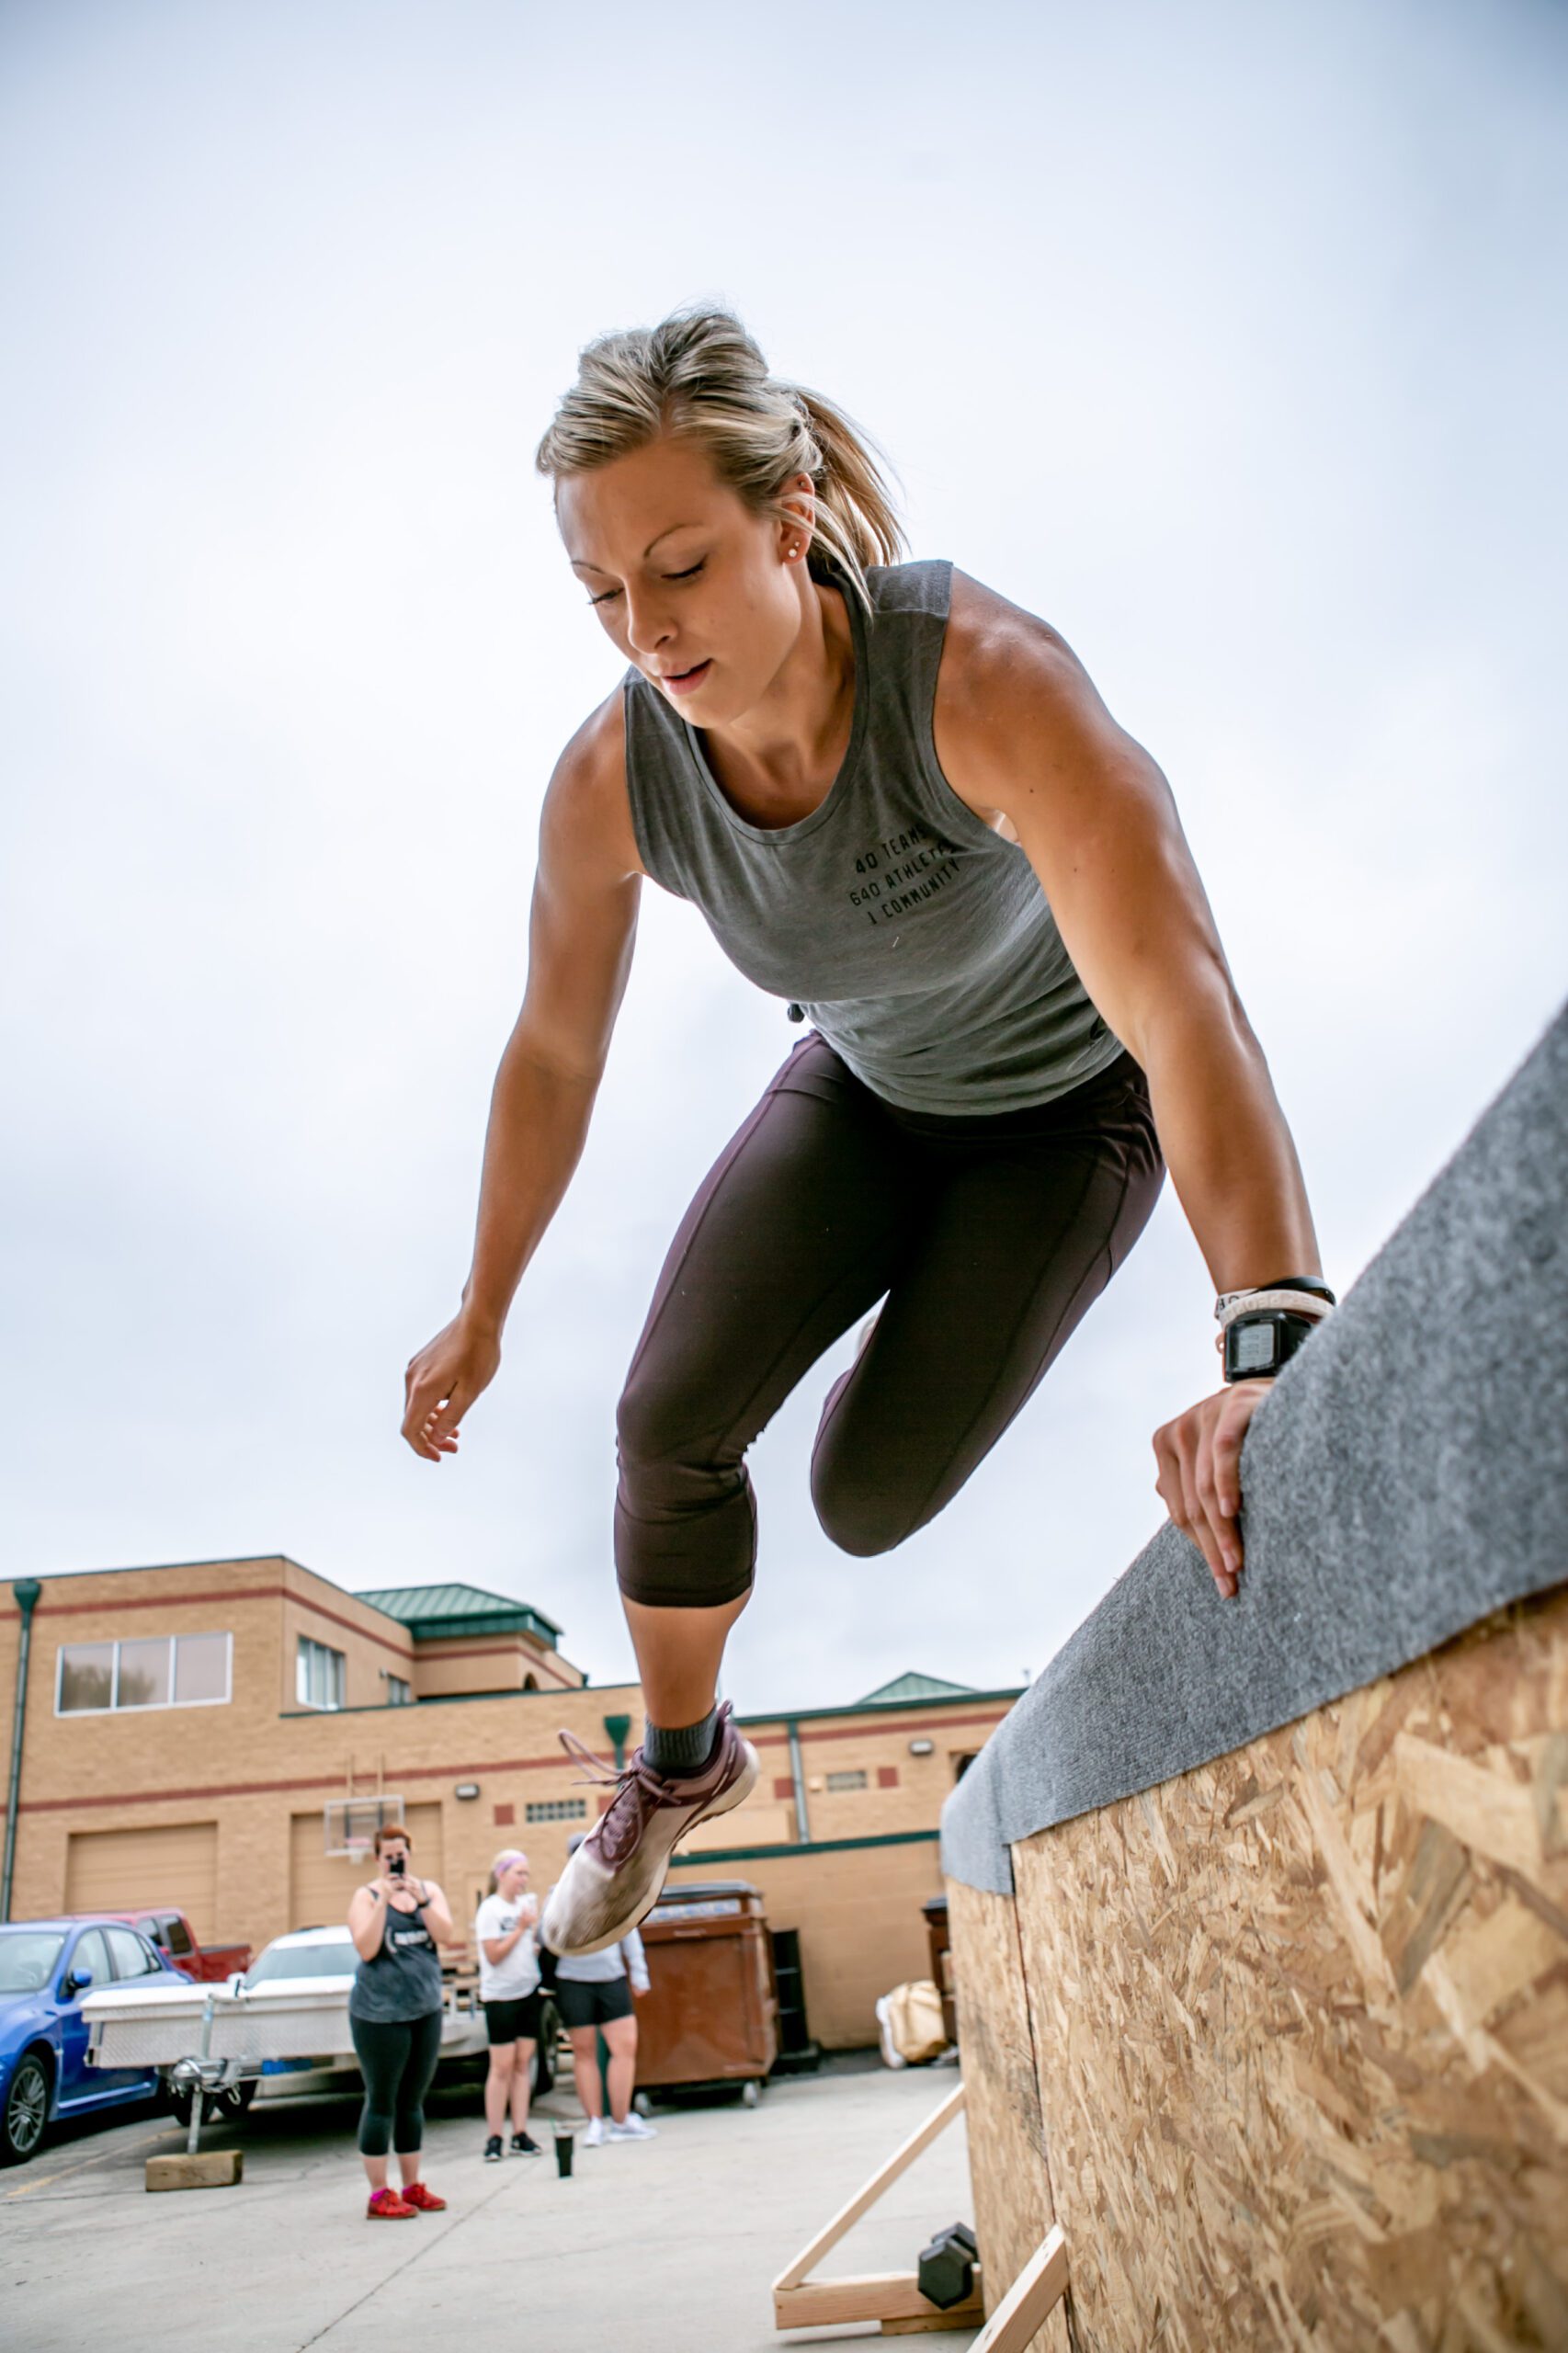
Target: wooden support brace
{"x": 865, "y": 2199}
{"x": 968, "y": 2314}
{"x": 1034, "y": 2294}
{"x": 891, "y": 2297}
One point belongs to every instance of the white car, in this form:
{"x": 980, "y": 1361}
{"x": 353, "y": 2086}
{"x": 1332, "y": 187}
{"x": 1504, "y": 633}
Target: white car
{"x": 305, "y": 1978}
{"x": 308, "y": 1975}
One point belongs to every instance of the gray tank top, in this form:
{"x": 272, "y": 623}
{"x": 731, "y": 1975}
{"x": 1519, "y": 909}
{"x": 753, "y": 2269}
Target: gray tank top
{"x": 918, "y": 938}
{"x": 403, "y": 1981}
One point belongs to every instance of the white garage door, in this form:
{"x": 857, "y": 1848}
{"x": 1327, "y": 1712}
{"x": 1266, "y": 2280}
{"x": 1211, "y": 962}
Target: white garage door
{"x": 321, "y": 1884}
{"x": 134, "y": 1870}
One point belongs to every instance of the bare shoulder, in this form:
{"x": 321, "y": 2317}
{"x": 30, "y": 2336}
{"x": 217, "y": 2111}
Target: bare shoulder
{"x": 586, "y": 818}
{"x": 1014, "y": 705}
{"x": 989, "y": 636}
{"x": 1002, "y": 664}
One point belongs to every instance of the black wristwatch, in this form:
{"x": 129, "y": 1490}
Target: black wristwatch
{"x": 1258, "y": 1346}
{"x": 1260, "y": 1342}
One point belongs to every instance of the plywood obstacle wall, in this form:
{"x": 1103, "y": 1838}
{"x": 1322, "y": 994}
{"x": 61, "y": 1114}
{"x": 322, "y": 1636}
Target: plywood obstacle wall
{"x": 1260, "y": 1907}
{"x": 1297, "y": 2026}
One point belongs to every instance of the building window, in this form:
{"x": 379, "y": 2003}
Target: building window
{"x": 961, "y": 1763}
{"x": 557, "y": 1810}
{"x": 156, "y": 1671}
{"x": 399, "y": 1693}
{"x": 855, "y": 1780}
{"x": 321, "y": 1675}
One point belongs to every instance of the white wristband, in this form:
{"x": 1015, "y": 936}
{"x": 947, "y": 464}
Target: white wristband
{"x": 1232, "y": 1303}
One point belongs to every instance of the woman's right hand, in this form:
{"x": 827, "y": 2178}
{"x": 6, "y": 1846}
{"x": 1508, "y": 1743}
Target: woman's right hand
{"x": 443, "y": 1380}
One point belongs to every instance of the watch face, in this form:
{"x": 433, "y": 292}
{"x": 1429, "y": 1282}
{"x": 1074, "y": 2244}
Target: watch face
{"x": 1253, "y": 1349}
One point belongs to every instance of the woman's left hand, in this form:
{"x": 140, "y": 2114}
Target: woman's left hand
{"x": 1200, "y": 1455}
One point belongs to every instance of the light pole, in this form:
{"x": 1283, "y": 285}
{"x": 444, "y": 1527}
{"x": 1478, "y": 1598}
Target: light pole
{"x": 26, "y": 1590}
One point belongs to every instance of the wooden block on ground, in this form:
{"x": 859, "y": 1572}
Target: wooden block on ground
{"x": 968, "y": 2314}
{"x": 883, "y": 2296}
{"x": 208, "y": 2169}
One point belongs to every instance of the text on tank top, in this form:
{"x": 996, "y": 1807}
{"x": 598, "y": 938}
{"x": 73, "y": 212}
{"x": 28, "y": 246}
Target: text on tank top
{"x": 402, "y": 1980}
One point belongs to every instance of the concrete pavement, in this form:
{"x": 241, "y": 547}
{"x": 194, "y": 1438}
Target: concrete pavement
{"x": 667, "y": 2248}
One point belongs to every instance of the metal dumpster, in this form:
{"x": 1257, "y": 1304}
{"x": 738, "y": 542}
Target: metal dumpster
{"x": 710, "y": 2015}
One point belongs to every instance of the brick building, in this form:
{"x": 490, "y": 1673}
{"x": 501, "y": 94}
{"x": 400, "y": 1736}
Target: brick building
{"x": 191, "y": 1734}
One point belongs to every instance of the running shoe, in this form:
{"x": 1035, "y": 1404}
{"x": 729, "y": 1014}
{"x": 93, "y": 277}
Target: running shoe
{"x": 594, "y": 2138}
{"x": 493, "y": 2149}
{"x": 386, "y": 2206}
{"x": 614, "y": 1879}
{"x": 634, "y": 2128}
{"x": 524, "y": 2145}
{"x": 423, "y": 2200}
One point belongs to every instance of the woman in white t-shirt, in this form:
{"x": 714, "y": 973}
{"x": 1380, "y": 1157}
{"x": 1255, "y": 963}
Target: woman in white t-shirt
{"x": 508, "y": 1987}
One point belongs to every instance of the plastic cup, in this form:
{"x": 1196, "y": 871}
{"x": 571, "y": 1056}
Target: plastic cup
{"x": 563, "y": 2144}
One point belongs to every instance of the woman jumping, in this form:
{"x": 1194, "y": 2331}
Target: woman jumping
{"x": 902, "y": 808}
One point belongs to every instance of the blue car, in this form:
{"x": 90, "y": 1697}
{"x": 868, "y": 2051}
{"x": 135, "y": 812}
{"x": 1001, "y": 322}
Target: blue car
{"x": 46, "y": 1966}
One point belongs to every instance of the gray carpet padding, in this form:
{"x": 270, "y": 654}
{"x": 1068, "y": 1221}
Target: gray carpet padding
{"x": 1409, "y": 1475}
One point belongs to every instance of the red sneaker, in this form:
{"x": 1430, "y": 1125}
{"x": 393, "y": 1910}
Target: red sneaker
{"x": 423, "y": 2200}
{"x": 386, "y": 2206}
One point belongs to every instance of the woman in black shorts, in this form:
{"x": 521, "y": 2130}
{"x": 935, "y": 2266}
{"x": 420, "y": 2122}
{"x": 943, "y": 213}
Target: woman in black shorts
{"x": 394, "y": 2014}
{"x": 508, "y": 1987}
{"x": 902, "y": 809}
{"x": 597, "y": 1992}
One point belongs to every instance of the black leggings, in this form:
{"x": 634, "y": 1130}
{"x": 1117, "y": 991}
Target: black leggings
{"x": 990, "y": 1236}
{"x": 397, "y": 2059}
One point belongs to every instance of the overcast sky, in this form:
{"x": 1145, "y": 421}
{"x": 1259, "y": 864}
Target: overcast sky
{"x": 1230, "y": 339}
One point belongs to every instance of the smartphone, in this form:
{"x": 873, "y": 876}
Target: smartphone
{"x": 396, "y": 1866}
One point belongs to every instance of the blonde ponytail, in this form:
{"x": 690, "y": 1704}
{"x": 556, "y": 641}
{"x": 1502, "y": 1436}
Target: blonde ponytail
{"x": 700, "y": 376}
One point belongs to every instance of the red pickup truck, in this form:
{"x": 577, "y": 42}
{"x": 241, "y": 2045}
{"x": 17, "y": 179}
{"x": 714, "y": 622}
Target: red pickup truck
{"x": 168, "y": 1928}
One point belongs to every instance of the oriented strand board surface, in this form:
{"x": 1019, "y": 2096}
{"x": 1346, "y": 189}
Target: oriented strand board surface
{"x": 1006, "y": 2148}
{"x": 1301, "y": 2019}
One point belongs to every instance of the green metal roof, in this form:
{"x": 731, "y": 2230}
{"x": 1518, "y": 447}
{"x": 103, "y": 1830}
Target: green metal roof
{"x": 904, "y": 1687}
{"x": 434, "y": 1612}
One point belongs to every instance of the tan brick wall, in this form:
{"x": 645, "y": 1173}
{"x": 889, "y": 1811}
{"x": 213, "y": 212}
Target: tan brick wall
{"x": 252, "y": 1790}
{"x": 250, "y": 1767}
{"x": 858, "y": 1911}
{"x": 875, "y": 1746}
{"x": 490, "y": 1663}
{"x": 373, "y": 1645}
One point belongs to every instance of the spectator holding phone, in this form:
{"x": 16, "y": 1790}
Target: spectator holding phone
{"x": 394, "y": 2014}
{"x": 508, "y": 1987}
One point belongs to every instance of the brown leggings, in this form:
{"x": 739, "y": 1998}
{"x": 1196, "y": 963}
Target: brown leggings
{"x": 989, "y": 1238}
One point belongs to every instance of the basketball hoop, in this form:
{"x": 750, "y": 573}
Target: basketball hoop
{"x": 350, "y": 1824}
